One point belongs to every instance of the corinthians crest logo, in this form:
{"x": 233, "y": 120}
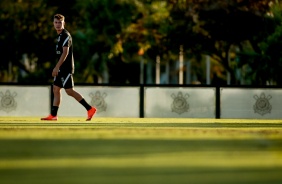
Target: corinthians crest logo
{"x": 262, "y": 105}
{"x": 179, "y": 104}
{"x": 8, "y": 102}
{"x": 98, "y": 101}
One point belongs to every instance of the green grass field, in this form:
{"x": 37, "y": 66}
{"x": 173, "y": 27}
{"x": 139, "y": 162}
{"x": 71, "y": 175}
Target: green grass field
{"x": 140, "y": 151}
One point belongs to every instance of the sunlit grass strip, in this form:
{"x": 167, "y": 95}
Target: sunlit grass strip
{"x": 134, "y": 120}
{"x": 116, "y": 150}
{"x": 138, "y": 128}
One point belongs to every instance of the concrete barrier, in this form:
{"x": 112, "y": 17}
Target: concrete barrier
{"x": 257, "y": 103}
{"x": 147, "y": 101}
{"x": 110, "y": 101}
{"x": 24, "y": 100}
{"x": 179, "y": 102}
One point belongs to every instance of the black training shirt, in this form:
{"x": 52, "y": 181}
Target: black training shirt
{"x": 64, "y": 39}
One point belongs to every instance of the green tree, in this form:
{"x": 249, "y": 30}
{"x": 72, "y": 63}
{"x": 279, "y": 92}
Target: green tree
{"x": 265, "y": 53}
{"x": 25, "y": 29}
{"x": 97, "y": 35}
{"x": 216, "y": 27}
{"x": 146, "y": 36}
{"x": 109, "y": 36}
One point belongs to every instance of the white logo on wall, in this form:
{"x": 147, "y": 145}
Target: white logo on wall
{"x": 8, "y": 102}
{"x": 98, "y": 101}
{"x": 262, "y": 105}
{"x": 180, "y": 104}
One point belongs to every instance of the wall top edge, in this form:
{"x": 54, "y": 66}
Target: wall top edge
{"x": 147, "y": 85}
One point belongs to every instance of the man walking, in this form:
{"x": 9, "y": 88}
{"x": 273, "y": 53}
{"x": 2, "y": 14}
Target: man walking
{"x": 64, "y": 70}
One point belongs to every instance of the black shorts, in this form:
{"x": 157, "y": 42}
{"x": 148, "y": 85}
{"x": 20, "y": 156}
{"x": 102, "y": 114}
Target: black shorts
{"x": 63, "y": 80}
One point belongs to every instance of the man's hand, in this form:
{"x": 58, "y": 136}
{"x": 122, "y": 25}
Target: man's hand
{"x": 55, "y": 72}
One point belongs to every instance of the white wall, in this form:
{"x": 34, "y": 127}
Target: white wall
{"x": 110, "y": 101}
{"x": 178, "y": 102}
{"x": 159, "y": 102}
{"x": 251, "y": 103}
{"x": 24, "y": 100}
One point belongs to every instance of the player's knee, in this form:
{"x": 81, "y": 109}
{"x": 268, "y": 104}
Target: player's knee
{"x": 56, "y": 90}
{"x": 70, "y": 92}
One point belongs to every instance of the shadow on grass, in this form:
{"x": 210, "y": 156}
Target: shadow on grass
{"x": 79, "y": 148}
{"x": 156, "y": 175}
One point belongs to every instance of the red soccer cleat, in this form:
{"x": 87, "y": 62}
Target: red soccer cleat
{"x": 50, "y": 118}
{"x": 91, "y": 113}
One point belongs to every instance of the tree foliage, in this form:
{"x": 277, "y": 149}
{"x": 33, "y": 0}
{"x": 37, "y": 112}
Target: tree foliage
{"x": 220, "y": 26}
{"x": 110, "y": 35}
{"x": 101, "y": 23}
{"x": 25, "y": 29}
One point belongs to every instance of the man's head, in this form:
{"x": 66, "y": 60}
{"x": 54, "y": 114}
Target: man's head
{"x": 59, "y": 22}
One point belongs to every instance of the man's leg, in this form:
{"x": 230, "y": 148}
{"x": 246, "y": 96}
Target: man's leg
{"x": 56, "y": 104}
{"x": 90, "y": 110}
{"x": 57, "y": 100}
{"x": 74, "y": 94}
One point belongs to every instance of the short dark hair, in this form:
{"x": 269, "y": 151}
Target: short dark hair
{"x": 59, "y": 17}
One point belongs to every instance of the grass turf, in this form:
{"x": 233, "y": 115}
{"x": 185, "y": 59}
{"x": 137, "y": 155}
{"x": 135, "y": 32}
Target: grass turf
{"x": 135, "y": 150}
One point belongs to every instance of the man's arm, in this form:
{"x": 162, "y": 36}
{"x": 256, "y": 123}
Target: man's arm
{"x": 61, "y": 60}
